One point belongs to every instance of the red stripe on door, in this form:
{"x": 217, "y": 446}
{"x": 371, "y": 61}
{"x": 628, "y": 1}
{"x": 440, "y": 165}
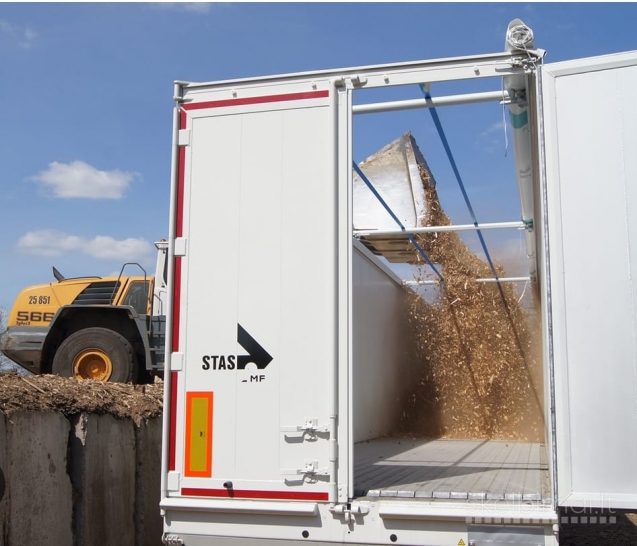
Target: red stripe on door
{"x": 179, "y": 230}
{"x": 179, "y": 219}
{"x": 179, "y": 227}
{"x": 256, "y": 100}
{"x": 254, "y": 494}
{"x": 172, "y": 444}
{"x": 176, "y": 305}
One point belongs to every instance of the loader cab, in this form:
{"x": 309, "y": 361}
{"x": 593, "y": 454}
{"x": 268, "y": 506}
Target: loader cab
{"x": 136, "y": 296}
{"x": 146, "y": 295}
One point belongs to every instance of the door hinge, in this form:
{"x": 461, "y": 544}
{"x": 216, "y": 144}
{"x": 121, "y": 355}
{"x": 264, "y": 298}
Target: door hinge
{"x": 351, "y": 82}
{"x": 183, "y": 138}
{"x": 180, "y": 247}
{"x": 172, "y": 481}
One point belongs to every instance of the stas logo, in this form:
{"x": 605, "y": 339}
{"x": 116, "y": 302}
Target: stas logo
{"x": 256, "y": 354}
{"x": 219, "y": 362}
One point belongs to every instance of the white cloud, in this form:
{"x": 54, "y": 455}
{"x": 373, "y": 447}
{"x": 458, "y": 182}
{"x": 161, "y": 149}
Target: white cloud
{"x": 193, "y": 7}
{"x": 494, "y": 139}
{"x": 56, "y": 243}
{"x": 107, "y": 248}
{"x": 81, "y": 180}
{"x": 24, "y": 37}
{"x": 497, "y": 127}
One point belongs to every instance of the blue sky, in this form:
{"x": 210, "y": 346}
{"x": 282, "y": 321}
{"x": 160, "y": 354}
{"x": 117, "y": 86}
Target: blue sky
{"x": 87, "y": 94}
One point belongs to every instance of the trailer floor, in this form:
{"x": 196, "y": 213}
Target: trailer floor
{"x": 451, "y": 469}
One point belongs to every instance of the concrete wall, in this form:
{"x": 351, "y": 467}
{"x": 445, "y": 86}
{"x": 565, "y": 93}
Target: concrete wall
{"x": 89, "y": 480}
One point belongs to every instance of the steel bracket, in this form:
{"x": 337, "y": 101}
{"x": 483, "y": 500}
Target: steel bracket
{"x": 172, "y": 540}
{"x": 310, "y": 427}
{"x": 311, "y": 469}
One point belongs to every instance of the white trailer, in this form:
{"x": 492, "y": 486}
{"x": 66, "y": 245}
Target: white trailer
{"x": 284, "y": 352}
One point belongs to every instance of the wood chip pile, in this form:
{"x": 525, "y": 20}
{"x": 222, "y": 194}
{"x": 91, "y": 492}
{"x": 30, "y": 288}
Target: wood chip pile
{"x": 477, "y": 351}
{"x": 71, "y": 396}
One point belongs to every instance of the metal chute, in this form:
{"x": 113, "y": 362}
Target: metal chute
{"x": 399, "y": 172}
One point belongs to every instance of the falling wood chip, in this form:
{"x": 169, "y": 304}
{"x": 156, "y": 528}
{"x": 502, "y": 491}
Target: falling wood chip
{"x": 477, "y": 353}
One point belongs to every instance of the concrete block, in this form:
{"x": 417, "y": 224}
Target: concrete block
{"x": 4, "y": 484}
{"x": 149, "y": 523}
{"x": 103, "y": 474}
{"x": 40, "y": 491}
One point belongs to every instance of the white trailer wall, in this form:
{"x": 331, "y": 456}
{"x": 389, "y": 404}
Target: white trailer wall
{"x": 591, "y": 172}
{"x": 255, "y": 297}
{"x": 381, "y": 366}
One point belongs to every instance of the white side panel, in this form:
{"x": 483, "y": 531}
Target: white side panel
{"x": 591, "y": 160}
{"x": 259, "y": 220}
{"x": 380, "y": 363}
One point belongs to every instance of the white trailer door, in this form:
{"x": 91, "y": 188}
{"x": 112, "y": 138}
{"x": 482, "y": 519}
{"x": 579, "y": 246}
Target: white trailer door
{"x": 254, "y": 332}
{"x": 590, "y": 124}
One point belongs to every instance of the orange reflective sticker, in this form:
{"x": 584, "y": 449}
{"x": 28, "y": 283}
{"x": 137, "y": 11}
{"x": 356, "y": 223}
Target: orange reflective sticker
{"x": 198, "y": 434}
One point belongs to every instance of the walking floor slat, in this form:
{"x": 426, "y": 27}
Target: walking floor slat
{"x": 451, "y": 469}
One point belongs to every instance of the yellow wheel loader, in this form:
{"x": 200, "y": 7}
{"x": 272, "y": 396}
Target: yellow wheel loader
{"x": 103, "y": 328}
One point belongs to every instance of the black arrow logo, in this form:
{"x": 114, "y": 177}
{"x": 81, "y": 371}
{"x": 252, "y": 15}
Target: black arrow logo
{"x": 256, "y": 353}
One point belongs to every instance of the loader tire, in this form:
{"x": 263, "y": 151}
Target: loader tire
{"x": 96, "y": 353}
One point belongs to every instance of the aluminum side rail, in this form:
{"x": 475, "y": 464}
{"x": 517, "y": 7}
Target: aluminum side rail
{"x": 451, "y": 100}
{"x": 435, "y": 229}
{"x": 486, "y": 280}
{"x": 493, "y": 65}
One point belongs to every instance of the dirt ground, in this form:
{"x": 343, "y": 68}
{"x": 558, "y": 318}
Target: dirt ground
{"x": 620, "y": 531}
{"x": 70, "y": 396}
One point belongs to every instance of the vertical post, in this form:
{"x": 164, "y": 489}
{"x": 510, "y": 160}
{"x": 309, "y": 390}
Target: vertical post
{"x": 165, "y": 437}
{"x": 344, "y": 322}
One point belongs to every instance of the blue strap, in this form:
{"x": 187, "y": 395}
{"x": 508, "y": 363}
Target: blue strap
{"x": 391, "y": 213}
{"x": 445, "y": 144}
